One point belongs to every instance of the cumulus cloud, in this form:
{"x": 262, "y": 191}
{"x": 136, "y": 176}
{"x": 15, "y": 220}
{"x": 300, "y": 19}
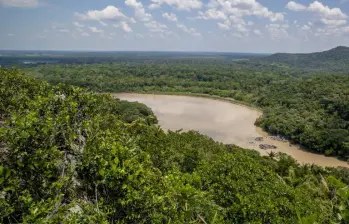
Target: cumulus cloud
{"x": 154, "y": 6}
{"x": 191, "y": 31}
{"x": 95, "y": 30}
{"x": 212, "y": 14}
{"x": 240, "y": 27}
{"x": 318, "y": 8}
{"x": 328, "y": 33}
{"x": 139, "y": 10}
{"x": 232, "y": 13}
{"x": 330, "y": 17}
{"x": 333, "y": 22}
{"x": 125, "y": 27}
{"x": 240, "y": 8}
{"x": 108, "y": 13}
{"x": 294, "y": 6}
{"x": 224, "y": 26}
{"x": 179, "y": 4}
{"x": 155, "y": 27}
{"x": 170, "y": 16}
{"x": 20, "y": 3}
{"x": 278, "y": 31}
{"x": 323, "y": 10}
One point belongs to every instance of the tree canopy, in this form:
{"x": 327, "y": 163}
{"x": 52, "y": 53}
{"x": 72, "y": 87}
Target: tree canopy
{"x": 310, "y": 109}
{"x": 72, "y": 156}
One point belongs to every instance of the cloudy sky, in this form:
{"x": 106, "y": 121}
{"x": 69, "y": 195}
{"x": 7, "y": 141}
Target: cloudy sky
{"x": 261, "y": 26}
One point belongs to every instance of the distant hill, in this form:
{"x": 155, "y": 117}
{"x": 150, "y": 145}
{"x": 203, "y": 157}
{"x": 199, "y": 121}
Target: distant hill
{"x": 334, "y": 60}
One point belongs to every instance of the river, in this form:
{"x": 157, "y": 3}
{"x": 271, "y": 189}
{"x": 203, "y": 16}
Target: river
{"x": 223, "y": 121}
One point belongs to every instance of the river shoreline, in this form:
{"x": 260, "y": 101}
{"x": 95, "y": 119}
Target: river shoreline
{"x": 297, "y": 152}
{"x": 198, "y": 95}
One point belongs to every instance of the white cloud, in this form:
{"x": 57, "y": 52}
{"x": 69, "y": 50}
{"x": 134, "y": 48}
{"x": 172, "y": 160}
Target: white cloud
{"x": 84, "y": 34}
{"x": 95, "y": 30}
{"x": 329, "y": 17}
{"x": 155, "y": 27}
{"x": 170, "y": 16}
{"x": 318, "y": 8}
{"x": 332, "y": 22}
{"x": 20, "y": 3}
{"x": 241, "y": 29}
{"x": 154, "y": 6}
{"x": 11, "y": 35}
{"x": 224, "y": 26}
{"x": 125, "y": 27}
{"x": 294, "y": 6}
{"x": 78, "y": 25}
{"x": 278, "y": 31}
{"x": 191, "y": 31}
{"x": 241, "y": 8}
{"x": 323, "y": 10}
{"x": 305, "y": 27}
{"x": 108, "y": 13}
{"x": 139, "y": 10}
{"x": 212, "y": 14}
{"x": 328, "y": 33}
{"x": 179, "y": 4}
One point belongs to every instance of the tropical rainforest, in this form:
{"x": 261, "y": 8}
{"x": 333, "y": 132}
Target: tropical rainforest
{"x": 308, "y": 108}
{"x": 69, "y": 155}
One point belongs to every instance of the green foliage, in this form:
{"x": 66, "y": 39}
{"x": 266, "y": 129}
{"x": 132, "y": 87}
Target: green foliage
{"x": 309, "y": 109}
{"x": 334, "y": 60}
{"x": 70, "y": 156}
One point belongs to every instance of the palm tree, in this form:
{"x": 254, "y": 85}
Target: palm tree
{"x": 272, "y": 154}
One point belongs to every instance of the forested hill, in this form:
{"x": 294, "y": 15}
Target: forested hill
{"x": 71, "y": 156}
{"x": 334, "y": 60}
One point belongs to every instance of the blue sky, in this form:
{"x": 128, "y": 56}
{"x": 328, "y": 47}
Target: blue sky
{"x": 261, "y": 26}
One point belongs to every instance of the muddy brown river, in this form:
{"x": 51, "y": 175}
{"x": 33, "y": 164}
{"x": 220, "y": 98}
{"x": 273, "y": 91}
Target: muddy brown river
{"x": 223, "y": 121}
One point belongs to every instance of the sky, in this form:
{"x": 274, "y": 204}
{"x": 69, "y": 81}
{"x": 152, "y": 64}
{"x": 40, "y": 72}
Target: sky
{"x": 254, "y": 26}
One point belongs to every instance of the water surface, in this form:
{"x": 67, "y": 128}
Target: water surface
{"x": 223, "y": 121}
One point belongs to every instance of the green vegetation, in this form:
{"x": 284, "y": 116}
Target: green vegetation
{"x": 70, "y": 156}
{"x": 309, "y": 109}
{"x": 334, "y": 60}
